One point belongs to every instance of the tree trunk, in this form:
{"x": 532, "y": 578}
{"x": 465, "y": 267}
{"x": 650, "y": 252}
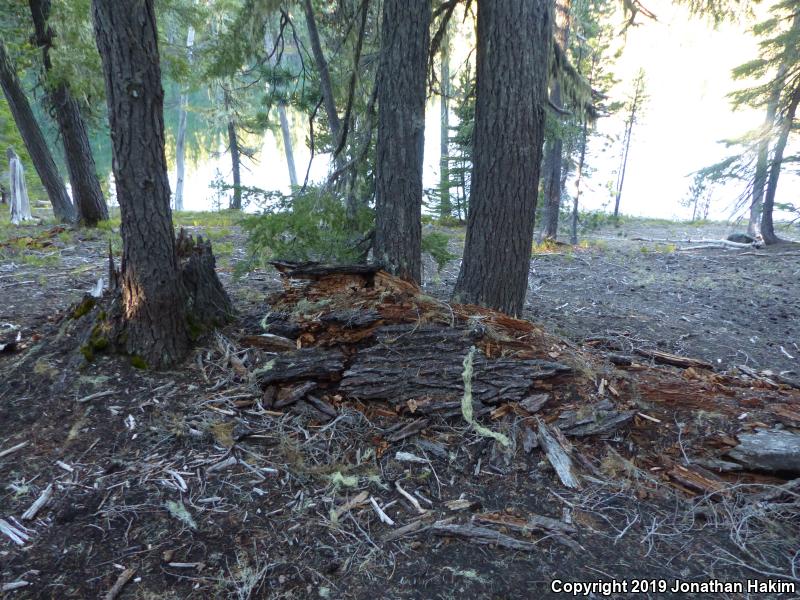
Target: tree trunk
{"x": 767, "y": 227}
{"x": 621, "y": 177}
{"x": 638, "y": 99}
{"x": 760, "y": 176}
{"x": 233, "y": 141}
{"x": 514, "y": 38}
{"x": 35, "y": 143}
{"x": 554, "y": 159}
{"x": 576, "y": 202}
{"x": 77, "y": 151}
{"x": 153, "y": 296}
{"x": 445, "y": 205}
{"x": 286, "y": 134}
{"x": 180, "y": 139}
{"x": 401, "y": 129}
{"x": 328, "y": 98}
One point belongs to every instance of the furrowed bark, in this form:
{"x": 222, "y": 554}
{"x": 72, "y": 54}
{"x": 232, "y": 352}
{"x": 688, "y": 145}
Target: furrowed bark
{"x": 514, "y": 38}
{"x": 401, "y": 125}
{"x": 153, "y": 297}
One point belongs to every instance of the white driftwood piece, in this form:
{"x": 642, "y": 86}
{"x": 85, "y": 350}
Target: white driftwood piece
{"x": 18, "y": 191}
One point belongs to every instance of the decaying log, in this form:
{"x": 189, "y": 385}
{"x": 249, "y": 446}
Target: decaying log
{"x": 410, "y": 362}
{"x": 314, "y": 270}
{"x": 771, "y": 451}
{"x": 351, "y": 319}
{"x": 674, "y": 359}
{"x": 315, "y": 364}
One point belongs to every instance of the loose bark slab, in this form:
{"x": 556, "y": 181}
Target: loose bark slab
{"x": 601, "y": 422}
{"x": 534, "y": 404}
{"x": 557, "y": 456}
{"x": 293, "y": 395}
{"x": 413, "y": 362}
{"x": 309, "y": 363}
{"x": 771, "y": 451}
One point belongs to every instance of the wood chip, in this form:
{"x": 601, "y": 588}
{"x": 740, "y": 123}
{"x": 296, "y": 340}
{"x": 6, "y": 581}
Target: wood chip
{"x": 38, "y": 504}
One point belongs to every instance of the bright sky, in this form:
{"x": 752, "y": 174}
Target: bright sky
{"x": 688, "y": 66}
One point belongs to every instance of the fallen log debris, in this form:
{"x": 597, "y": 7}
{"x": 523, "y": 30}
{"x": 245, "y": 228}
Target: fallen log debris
{"x": 356, "y": 335}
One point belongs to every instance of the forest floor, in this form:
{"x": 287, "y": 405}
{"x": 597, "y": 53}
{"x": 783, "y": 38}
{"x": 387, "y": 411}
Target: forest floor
{"x": 181, "y": 484}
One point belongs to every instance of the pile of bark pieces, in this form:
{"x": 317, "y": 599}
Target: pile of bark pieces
{"x": 356, "y": 335}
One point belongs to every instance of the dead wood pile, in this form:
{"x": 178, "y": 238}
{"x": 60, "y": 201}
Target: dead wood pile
{"x": 358, "y": 336}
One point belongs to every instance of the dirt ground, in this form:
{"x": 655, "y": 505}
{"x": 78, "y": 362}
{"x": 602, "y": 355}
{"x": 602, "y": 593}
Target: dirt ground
{"x": 140, "y": 462}
{"x": 726, "y": 306}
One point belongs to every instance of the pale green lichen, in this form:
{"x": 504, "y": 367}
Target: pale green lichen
{"x": 466, "y": 404}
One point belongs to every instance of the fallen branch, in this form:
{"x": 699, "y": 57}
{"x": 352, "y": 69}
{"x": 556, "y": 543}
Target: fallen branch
{"x": 123, "y": 579}
{"x": 674, "y": 359}
{"x": 707, "y": 243}
{"x": 12, "y": 449}
{"x": 481, "y": 535}
{"x": 16, "y": 535}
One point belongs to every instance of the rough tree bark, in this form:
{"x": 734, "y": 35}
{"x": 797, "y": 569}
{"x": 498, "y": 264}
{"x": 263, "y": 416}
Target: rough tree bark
{"x": 157, "y": 296}
{"x": 35, "y": 143}
{"x": 514, "y": 45}
{"x": 555, "y": 149}
{"x": 77, "y": 151}
{"x": 767, "y": 227}
{"x": 180, "y": 139}
{"x": 401, "y": 129}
